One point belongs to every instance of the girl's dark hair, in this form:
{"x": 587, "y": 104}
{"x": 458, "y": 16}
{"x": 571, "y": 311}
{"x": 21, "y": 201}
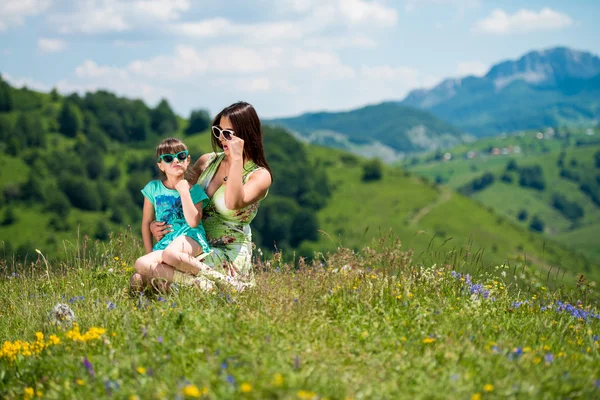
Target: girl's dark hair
{"x": 170, "y": 146}
{"x": 246, "y": 126}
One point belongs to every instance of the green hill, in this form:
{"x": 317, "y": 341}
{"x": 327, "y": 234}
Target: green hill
{"x": 322, "y": 198}
{"x": 554, "y": 181}
{"x": 381, "y": 130}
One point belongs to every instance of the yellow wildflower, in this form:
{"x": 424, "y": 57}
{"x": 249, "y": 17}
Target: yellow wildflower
{"x": 537, "y": 360}
{"x": 428, "y": 340}
{"x": 134, "y": 397}
{"x": 246, "y": 387}
{"x": 476, "y": 396}
{"x": 488, "y": 387}
{"x": 306, "y": 395}
{"x": 141, "y": 370}
{"x": 28, "y": 393}
{"x": 80, "y": 382}
{"x": 116, "y": 258}
{"x": 191, "y": 391}
{"x": 277, "y": 380}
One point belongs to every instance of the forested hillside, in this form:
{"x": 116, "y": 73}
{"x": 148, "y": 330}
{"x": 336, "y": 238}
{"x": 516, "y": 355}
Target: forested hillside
{"x": 73, "y": 166}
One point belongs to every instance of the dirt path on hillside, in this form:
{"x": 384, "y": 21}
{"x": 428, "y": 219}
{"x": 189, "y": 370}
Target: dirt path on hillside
{"x": 444, "y": 197}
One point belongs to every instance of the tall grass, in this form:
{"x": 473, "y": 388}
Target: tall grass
{"x": 378, "y": 323}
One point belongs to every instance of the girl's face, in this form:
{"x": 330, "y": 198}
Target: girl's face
{"x": 174, "y": 164}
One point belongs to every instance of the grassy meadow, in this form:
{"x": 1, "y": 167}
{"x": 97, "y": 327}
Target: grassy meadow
{"x": 372, "y": 324}
{"x": 508, "y": 198}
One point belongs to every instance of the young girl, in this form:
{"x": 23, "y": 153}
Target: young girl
{"x": 175, "y": 201}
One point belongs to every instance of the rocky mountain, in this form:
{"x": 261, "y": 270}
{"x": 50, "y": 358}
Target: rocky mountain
{"x": 558, "y": 86}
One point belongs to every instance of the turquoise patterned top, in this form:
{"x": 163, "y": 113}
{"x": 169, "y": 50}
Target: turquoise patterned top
{"x": 168, "y": 208}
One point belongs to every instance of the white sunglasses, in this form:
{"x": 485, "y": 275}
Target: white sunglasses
{"x": 227, "y": 133}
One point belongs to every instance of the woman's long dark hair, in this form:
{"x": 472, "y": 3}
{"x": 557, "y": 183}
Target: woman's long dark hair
{"x": 246, "y": 126}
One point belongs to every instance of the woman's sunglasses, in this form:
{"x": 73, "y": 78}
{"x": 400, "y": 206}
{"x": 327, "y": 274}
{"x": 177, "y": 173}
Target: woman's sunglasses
{"x": 227, "y": 133}
{"x": 168, "y": 158}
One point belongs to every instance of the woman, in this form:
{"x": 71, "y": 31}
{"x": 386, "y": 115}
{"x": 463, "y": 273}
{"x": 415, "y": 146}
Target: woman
{"x": 235, "y": 180}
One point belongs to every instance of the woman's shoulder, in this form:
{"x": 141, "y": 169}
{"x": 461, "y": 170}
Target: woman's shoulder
{"x": 205, "y": 160}
{"x": 260, "y": 174}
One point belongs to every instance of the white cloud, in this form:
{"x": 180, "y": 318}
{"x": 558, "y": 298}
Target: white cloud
{"x": 476, "y": 68}
{"x": 48, "y": 45}
{"x": 253, "y": 85}
{"x": 317, "y": 19}
{"x": 400, "y": 77}
{"x": 358, "y": 11}
{"x": 101, "y": 16}
{"x": 499, "y": 22}
{"x": 221, "y": 27}
{"x": 91, "y": 16}
{"x": 30, "y": 83}
{"x": 161, "y": 9}
{"x": 14, "y": 12}
{"x": 461, "y": 6}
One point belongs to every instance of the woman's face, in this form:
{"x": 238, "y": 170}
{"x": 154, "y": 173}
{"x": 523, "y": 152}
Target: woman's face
{"x": 225, "y": 123}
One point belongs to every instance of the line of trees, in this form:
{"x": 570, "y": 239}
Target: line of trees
{"x": 67, "y": 145}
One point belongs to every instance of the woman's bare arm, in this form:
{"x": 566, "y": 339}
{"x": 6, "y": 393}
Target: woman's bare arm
{"x": 238, "y": 194}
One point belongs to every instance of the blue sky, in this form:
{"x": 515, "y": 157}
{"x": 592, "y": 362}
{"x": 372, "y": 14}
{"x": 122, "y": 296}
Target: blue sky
{"x": 284, "y": 56}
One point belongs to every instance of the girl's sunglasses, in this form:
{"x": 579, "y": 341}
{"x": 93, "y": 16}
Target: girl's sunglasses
{"x": 168, "y": 158}
{"x": 227, "y": 133}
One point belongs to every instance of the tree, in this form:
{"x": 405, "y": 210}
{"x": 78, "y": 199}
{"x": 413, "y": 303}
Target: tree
{"x": 114, "y": 173}
{"x": 102, "y": 230}
{"x": 512, "y": 165}
{"x": 372, "y": 170}
{"x": 536, "y": 224}
{"x": 69, "y": 119}
{"x": 597, "y": 158}
{"x": 522, "y": 215}
{"x": 9, "y": 216}
{"x": 163, "y": 119}
{"x": 532, "y": 177}
{"x": 6, "y": 128}
{"x": 199, "y": 121}
{"x": 304, "y": 227}
{"x": 506, "y": 178}
{"x": 54, "y": 96}
{"x": 569, "y": 209}
{"x": 6, "y": 101}
{"x": 81, "y": 192}
{"x": 58, "y": 203}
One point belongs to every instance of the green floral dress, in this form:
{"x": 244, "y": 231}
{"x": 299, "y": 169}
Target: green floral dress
{"x": 228, "y": 231}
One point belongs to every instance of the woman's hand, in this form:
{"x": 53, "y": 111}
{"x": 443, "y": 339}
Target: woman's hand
{"x": 159, "y": 229}
{"x": 236, "y": 148}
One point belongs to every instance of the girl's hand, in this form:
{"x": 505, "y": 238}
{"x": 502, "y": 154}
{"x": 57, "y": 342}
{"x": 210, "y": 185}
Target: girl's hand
{"x": 182, "y": 185}
{"x": 236, "y": 148}
{"x": 159, "y": 229}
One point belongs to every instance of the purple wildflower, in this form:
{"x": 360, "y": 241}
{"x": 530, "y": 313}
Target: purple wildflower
{"x": 88, "y": 366}
{"x": 549, "y": 357}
